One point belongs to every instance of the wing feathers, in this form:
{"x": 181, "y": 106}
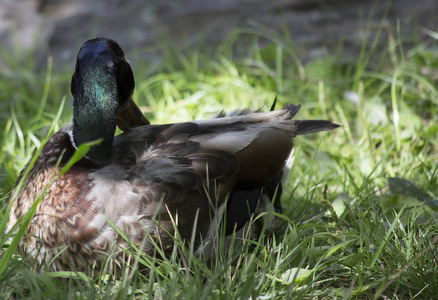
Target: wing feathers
{"x": 252, "y": 147}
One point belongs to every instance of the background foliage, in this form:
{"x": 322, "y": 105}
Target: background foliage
{"x": 360, "y": 206}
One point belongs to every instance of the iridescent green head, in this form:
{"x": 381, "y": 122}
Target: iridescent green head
{"x": 102, "y": 83}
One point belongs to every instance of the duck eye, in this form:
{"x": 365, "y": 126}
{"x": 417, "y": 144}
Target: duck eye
{"x": 119, "y": 52}
{"x": 116, "y": 49}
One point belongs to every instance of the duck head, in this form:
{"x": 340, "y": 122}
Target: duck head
{"x": 102, "y": 86}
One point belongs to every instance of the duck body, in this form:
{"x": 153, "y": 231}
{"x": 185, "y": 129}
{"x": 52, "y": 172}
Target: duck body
{"x": 148, "y": 179}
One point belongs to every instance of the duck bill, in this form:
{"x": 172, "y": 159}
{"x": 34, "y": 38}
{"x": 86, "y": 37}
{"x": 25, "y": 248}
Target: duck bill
{"x": 131, "y": 116}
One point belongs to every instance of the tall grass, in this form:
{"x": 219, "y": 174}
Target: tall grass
{"x": 360, "y": 206}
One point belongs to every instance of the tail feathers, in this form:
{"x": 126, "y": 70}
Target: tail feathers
{"x": 310, "y": 126}
{"x": 291, "y": 110}
{"x": 274, "y": 104}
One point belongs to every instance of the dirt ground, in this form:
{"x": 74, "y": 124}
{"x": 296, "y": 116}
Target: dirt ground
{"x": 59, "y": 27}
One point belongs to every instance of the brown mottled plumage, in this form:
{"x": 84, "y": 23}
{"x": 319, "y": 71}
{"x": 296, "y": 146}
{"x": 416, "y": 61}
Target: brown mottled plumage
{"x": 148, "y": 177}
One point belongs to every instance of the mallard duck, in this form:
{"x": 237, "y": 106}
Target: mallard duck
{"x": 149, "y": 178}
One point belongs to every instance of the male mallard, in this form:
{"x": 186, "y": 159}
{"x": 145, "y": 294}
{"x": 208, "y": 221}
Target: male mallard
{"x": 147, "y": 178}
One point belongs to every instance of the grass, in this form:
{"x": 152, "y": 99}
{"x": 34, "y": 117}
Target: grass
{"x": 360, "y": 216}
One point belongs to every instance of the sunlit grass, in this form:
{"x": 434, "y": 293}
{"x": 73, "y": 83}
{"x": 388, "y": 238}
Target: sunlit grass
{"x": 360, "y": 206}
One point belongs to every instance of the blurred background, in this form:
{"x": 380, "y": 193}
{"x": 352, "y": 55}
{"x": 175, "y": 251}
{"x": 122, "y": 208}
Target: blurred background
{"x": 362, "y": 199}
{"x": 316, "y": 27}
